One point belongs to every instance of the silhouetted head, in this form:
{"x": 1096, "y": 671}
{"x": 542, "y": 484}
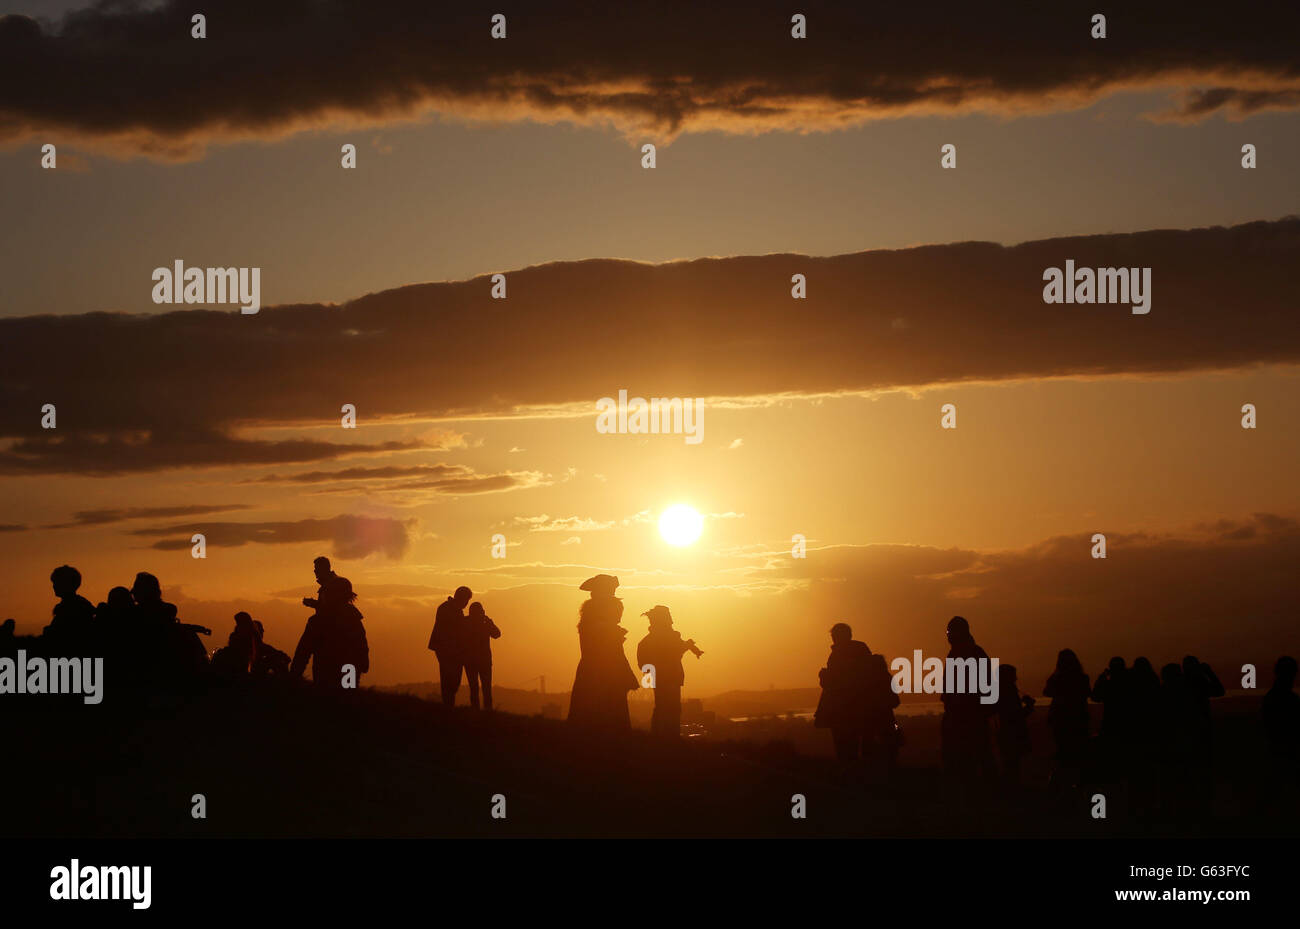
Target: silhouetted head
{"x": 1284, "y": 671}
{"x": 65, "y": 579}
{"x": 476, "y": 609}
{"x": 243, "y": 620}
{"x": 462, "y": 596}
{"x": 841, "y": 633}
{"x": 958, "y": 630}
{"x": 602, "y": 585}
{"x": 1116, "y": 665}
{"x": 1007, "y": 678}
{"x": 259, "y": 631}
{"x": 1171, "y": 674}
{"x": 119, "y": 599}
{"x": 1067, "y": 662}
{"x": 321, "y": 567}
{"x": 345, "y": 589}
{"x": 1191, "y": 664}
{"x": 7, "y": 629}
{"x": 659, "y": 617}
{"x": 146, "y": 588}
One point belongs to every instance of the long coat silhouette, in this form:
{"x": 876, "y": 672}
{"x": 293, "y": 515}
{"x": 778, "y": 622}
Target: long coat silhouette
{"x": 604, "y": 677}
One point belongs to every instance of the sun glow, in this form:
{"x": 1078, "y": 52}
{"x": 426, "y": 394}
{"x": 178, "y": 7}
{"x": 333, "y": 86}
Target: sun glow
{"x": 680, "y": 524}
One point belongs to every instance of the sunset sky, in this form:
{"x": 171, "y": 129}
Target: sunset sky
{"x": 822, "y": 417}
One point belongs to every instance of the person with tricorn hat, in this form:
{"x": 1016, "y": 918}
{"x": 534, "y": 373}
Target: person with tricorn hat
{"x": 604, "y": 677}
{"x": 662, "y": 650}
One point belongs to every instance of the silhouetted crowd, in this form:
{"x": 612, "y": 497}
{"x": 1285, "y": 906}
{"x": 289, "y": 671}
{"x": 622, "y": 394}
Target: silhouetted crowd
{"x": 1155, "y": 739}
{"x": 148, "y": 650}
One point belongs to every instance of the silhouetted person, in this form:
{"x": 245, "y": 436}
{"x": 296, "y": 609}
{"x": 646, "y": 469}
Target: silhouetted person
{"x": 236, "y": 658}
{"x": 966, "y": 750}
{"x": 1180, "y": 727}
{"x": 269, "y": 661}
{"x": 881, "y": 735}
{"x": 330, "y": 594}
{"x": 8, "y": 640}
{"x": 1067, "y": 716}
{"x": 115, "y": 615}
{"x": 333, "y": 639}
{"x": 845, "y": 685}
{"x": 1113, "y": 692}
{"x": 447, "y": 641}
{"x": 1012, "y": 716}
{"x": 1281, "y": 713}
{"x": 604, "y": 678}
{"x": 663, "y": 648}
{"x": 1202, "y": 685}
{"x": 480, "y": 630}
{"x": 72, "y": 630}
{"x": 1145, "y": 750}
{"x": 172, "y": 651}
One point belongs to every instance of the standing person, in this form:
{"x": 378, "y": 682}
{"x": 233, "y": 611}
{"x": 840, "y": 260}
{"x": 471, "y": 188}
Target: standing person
{"x": 330, "y": 594}
{"x": 662, "y": 648}
{"x": 479, "y": 633}
{"x": 965, "y": 727}
{"x": 1067, "y": 716}
{"x": 447, "y": 641}
{"x": 1013, "y": 723}
{"x": 334, "y": 638}
{"x": 842, "y": 707}
{"x": 882, "y": 736}
{"x": 1281, "y": 713}
{"x": 604, "y": 678}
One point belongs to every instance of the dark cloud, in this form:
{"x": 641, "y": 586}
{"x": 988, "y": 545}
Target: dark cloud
{"x": 576, "y": 332}
{"x": 94, "y": 452}
{"x": 442, "y": 471}
{"x": 414, "y": 493}
{"x": 12, "y": 527}
{"x": 351, "y": 536}
{"x": 127, "y": 76}
{"x": 84, "y": 518}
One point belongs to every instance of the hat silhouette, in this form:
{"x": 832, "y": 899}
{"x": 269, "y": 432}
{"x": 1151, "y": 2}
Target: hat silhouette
{"x": 602, "y": 584}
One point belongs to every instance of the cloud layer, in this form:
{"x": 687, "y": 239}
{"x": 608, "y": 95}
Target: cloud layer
{"x": 128, "y": 77}
{"x": 180, "y": 389}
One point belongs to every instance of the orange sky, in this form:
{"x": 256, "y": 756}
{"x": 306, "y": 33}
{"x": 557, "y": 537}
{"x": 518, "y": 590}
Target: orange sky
{"x": 476, "y": 417}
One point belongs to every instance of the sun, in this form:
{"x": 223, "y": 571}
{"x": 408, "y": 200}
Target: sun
{"x": 680, "y": 524}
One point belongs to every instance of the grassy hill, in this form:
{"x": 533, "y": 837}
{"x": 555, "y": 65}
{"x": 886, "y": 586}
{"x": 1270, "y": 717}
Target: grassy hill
{"x": 281, "y": 760}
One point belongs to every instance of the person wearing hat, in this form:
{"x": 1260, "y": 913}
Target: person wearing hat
{"x": 604, "y": 677}
{"x": 662, "y": 650}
